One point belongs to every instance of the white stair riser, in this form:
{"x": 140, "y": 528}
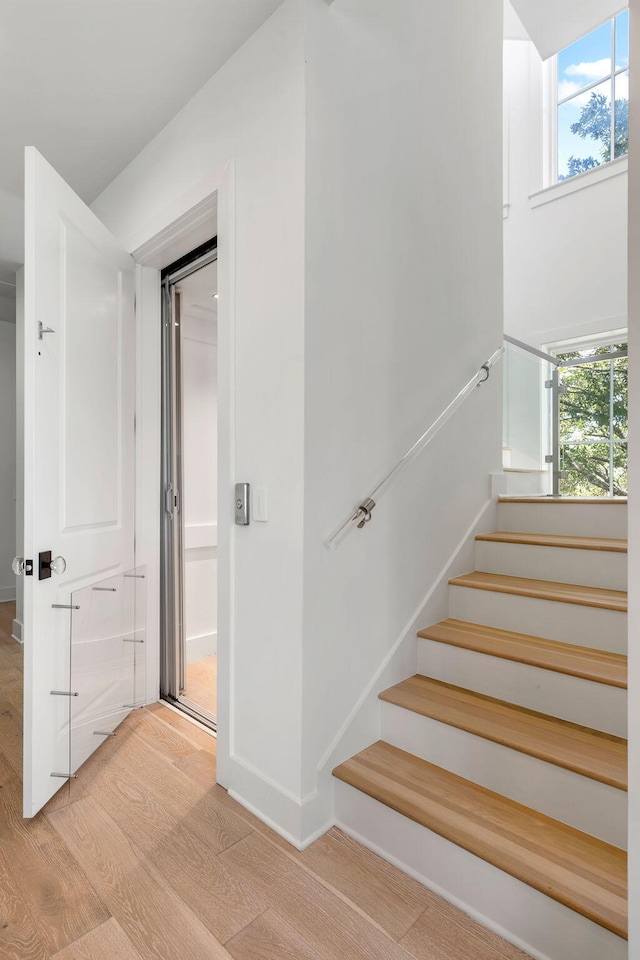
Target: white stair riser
{"x": 567, "y": 622}
{"x": 592, "y": 568}
{"x": 588, "y": 805}
{"x": 540, "y": 926}
{"x": 591, "y": 704}
{"x": 572, "y": 519}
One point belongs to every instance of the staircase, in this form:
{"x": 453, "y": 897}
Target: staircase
{"x": 500, "y": 779}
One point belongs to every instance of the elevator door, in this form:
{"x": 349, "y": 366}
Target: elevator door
{"x": 191, "y": 485}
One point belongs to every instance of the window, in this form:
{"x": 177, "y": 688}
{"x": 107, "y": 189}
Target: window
{"x": 593, "y": 421}
{"x": 593, "y": 75}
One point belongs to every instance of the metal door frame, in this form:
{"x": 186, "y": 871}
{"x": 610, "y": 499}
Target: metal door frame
{"x": 172, "y": 635}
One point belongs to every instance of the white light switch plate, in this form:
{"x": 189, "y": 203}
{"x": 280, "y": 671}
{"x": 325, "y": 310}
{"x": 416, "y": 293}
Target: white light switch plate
{"x": 259, "y": 504}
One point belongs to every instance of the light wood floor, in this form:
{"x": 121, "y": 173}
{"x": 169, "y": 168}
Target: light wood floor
{"x": 201, "y": 683}
{"x": 147, "y": 858}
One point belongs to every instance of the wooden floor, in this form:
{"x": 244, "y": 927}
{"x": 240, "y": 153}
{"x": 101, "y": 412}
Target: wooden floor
{"x": 147, "y": 858}
{"x": 202, "y": 682}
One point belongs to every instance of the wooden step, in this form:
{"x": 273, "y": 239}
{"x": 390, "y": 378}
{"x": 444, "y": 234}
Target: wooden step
{"x": 597, "y": 665}
{"x": 599, "y": 500}
{"x": 544, "y": 590}
{"x": 584, "y": 874}
{"x": 611, "y": 544}
{"x": 591, "y": 753}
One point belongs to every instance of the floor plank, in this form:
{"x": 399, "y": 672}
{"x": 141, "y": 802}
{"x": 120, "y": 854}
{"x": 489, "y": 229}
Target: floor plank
{"x": 157, "y": 922}
{"x": 20, "y": 936}
{"x": 200, "y": 767}
{"x": 163, "y": 737}
{"x": 195, "y": 733}
{"x": 201, "y": 683}
{"x": 106, "y": 942}
{"x": 271, "y": 938}
{"x": 50, "y": 882}
{"x": 392, "y": 899}
{"x": 330, "y": 926}
{"x": 11, "y": 736}
{"x": 438, "y": 933}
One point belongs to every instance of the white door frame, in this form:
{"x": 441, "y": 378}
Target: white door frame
{"x": 178, "y": 236}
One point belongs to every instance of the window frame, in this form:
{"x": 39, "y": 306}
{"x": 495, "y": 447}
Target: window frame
{"x": 552, "y": 103}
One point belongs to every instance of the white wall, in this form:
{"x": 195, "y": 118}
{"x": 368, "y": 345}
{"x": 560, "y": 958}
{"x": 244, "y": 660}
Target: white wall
{"x": 565, "y": 261}
{"x": 243, "y": 134}
{"x": 199, "y": 484}
{"x": 7, "y": 459}
{"x": 361, "y": 284}
{"x": 403, "y": 305}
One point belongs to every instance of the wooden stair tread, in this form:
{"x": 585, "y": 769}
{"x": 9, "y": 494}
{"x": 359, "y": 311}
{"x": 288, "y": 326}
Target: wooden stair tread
{"x": 599, "y": 500}
{"x": 545, "y": 590}
{"x": 597, "y": 665}
{"x": 610, "y": 544}
{"x": 581, "y": 872}
{"x": 591, "y": 753}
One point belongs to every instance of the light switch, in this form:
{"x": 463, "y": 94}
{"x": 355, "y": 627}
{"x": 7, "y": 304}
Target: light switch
{"x": 259, "y": 504}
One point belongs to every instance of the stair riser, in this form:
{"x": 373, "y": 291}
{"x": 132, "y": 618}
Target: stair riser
{"x": 590, "y": 704}
{"x": 567, "y": 622}
{"x": 540, "y": 926}
{"x": 581, "y": 802}
{"x": 577, "y": 519}
{"x": 592, "y": 568}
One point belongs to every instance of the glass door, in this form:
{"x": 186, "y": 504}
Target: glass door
{"x": 189, "y": 542}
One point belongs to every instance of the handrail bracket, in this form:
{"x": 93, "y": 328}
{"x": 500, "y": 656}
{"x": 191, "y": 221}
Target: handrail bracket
{"x": 364, "y": 511}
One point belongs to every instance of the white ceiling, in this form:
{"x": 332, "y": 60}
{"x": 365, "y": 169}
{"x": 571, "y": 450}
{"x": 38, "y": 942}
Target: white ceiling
{"x": 554, "y": 24}
{"x": 90, "y": 82}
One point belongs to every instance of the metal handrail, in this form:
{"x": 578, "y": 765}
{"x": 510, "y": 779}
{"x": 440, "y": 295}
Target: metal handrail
{"x": 534, "y": 350}
{"x": 362, "y": 513}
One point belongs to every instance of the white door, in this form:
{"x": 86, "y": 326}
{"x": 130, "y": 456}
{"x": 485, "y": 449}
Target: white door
{"x": 79, "y": 381}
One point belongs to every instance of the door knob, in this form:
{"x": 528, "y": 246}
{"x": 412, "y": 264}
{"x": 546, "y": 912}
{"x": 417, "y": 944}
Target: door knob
{"x": 47, "y": 565}
{"x": 19, "y": 566}
{"x": 58, "y": 565}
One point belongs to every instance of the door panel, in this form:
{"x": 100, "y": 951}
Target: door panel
{"x": 79, "y": 449}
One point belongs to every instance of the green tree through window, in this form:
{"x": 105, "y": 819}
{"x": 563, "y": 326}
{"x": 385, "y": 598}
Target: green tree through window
{"x": 593, "y": 424}
{"x": 595, "y": 124}
{"x": 592, "y": 97}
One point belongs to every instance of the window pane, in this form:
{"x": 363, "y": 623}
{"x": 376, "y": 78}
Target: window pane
{"x": 587, "y": 466}
{"x": 620, "y": 479}
{"x": 621, "y": 146}
{"x": 584, "y": 131}
{"x": 622, "y": 40}
{"x": 585, "y": 61}
{"x": 585, "y": 407}
{"x": 620, "y": 399}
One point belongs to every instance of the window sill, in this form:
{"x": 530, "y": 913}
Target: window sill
{"x": 614, "y": 168}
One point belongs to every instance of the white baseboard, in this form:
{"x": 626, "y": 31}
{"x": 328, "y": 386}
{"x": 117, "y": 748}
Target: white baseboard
{"x": 16, "y": 631}
{"x": 299, "y": 820}
{"x": 203, "y": 646}
{"x": 7, "y": 594}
